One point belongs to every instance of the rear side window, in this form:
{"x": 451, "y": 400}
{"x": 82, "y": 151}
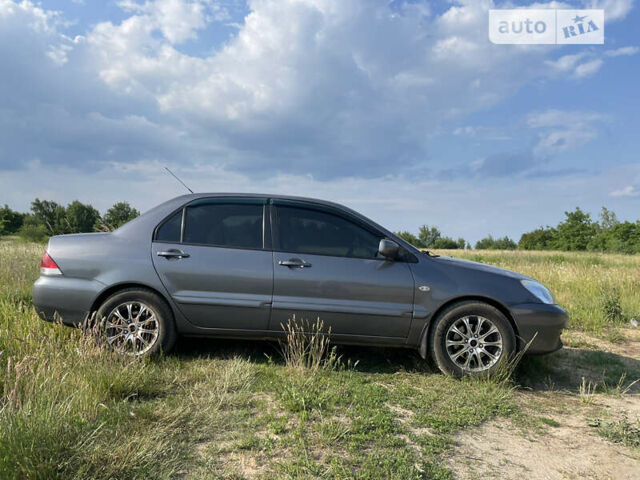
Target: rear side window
{"x": 169, "y": 231}
{"x": 224, "y": 225}
{"x": 302, "y": 230}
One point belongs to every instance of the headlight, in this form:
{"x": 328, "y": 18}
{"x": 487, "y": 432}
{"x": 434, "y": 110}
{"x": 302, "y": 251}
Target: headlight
{"x": 541, "y": 292}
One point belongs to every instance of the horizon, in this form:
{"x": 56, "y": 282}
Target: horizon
{"x": 595, "y": 217}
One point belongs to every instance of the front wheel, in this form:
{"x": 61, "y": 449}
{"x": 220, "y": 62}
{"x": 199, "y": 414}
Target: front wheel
{"x": 471, "y": 338}
{"x": 136, "y": 322}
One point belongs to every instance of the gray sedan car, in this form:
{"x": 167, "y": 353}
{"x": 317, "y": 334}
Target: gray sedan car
{"x": 239, "y": 266}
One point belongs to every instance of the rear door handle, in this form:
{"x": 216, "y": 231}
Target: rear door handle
{"x": 173, "y": 253}
{"x": 294, "y": 263}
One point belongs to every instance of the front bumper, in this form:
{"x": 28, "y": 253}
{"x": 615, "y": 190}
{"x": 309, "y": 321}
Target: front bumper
{"x": 59, "y": 298}
{"x": 541, "y": 324}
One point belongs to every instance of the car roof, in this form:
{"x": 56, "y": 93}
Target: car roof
{"x": 195, "y": 196}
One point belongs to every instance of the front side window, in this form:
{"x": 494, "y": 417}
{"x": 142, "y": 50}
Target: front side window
{"x": 224, "y": 225}
{"x": 302, "y": 230}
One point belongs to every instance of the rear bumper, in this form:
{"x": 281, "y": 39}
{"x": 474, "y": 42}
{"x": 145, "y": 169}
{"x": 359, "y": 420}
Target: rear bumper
{"x": 540, "y": 324}
{"x": 58, "y": 298}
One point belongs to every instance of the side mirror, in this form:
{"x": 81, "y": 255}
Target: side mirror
{"x": 388, "y": 249}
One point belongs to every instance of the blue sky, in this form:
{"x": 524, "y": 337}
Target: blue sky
{"x": 402, "y": 110}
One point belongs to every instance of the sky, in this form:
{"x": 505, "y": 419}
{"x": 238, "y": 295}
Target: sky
{"x": 402, "y": 110}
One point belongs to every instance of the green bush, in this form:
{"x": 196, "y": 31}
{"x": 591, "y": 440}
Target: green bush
{"x": 542, "y": 238}
{"x": 50, "y": 215}
{"x": 449, "y": 243}
{"x": 610, "y": 305}
{"x": 409, "y": 237}
{"x": 431, "y": 237}
{"x": 119, "y": 214}
{"x": 31, "y": 232}
{"x": 578, "y": 232}
{"x": 10, "y": 221}
{"x": 48, "y": 218}
{"x": 80, "y": 218}
{"x": 490, "y": 243}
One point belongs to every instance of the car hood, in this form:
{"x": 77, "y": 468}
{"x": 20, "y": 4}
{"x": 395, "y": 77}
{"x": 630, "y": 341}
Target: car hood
{"x": 468, "y": 264}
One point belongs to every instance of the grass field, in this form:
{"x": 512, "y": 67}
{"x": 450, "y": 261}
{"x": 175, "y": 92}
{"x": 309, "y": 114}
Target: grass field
{"x": 228, "y": 409}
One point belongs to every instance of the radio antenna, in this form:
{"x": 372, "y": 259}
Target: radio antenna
{"x": 175, "y": 176}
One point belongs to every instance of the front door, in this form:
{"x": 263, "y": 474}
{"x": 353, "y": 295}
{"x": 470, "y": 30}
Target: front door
{"x": 327, "y": 266}
{"x": 212, "y": 259}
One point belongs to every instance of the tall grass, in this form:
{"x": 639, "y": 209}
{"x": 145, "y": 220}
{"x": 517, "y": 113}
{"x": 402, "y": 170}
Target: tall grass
{"x": 71, "y": 409}
{"x": 598, "y": 290}
{"x": 307, "y": 355}
{"x": 307, "y": 346}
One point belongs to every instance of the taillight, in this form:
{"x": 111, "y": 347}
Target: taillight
{"x": 48, "y": 266}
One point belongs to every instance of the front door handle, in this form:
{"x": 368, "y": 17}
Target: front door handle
{"x": 173, "y": 253}
{"x": 294, "y": 263}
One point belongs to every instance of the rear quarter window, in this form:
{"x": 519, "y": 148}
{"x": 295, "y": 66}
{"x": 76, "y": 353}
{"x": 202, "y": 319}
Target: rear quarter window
{"x": 169, "y": 231}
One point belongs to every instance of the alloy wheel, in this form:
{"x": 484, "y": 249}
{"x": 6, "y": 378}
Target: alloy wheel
{"x": 474, "y": 343}
{"x": 131, "y": 328}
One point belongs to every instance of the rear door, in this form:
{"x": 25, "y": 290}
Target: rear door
{"x": 213, "y": 259}
{"x": 326, "y": 265}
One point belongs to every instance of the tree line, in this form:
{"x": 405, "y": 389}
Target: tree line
{"x": 431, "y": 237}
{"x": 577, "y": 231}
{"x": 47, "y": 218}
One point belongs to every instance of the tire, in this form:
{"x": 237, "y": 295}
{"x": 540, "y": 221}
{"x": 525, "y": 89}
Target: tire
{"x": 151, "y": 329}
{"x": 458, "y": 349}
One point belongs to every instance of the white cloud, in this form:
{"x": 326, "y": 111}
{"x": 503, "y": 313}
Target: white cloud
{"x": 562, "y": 130}
{"x": 628, "y": 191}
{"x": 561, "y": 140}
{"x": 311, "y": 86}
{"x": 454, "y": 47}
{"x": 483, "y": 132}
{"x": 588, "y": 68}
{"x": 566, "y": 63}
{"x": 317, "y": 85}
{"x": 562, "y": 118}
{"x": 555, "y": 131}
{"x": 586, "y": 63}
{"x": 31, "y": 15}
{"x": 177, "y": 20}
{"x": 614, "y": 10}
{"x": 626, "y": 51}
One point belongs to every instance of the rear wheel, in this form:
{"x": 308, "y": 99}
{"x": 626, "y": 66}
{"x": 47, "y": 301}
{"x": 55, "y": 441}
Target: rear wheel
{"x": 136, "y": 322}
{"x": 471, "y": 338}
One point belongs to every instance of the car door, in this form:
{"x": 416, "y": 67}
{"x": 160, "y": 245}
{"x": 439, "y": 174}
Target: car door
{"x": 213, "y": 259}
{"x": 326, "y": 266}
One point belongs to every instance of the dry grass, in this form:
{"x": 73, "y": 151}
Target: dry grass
{"x": 71, "y": 409}
{"x": 600, "y": 291}
{"x": 307, "y": 346}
